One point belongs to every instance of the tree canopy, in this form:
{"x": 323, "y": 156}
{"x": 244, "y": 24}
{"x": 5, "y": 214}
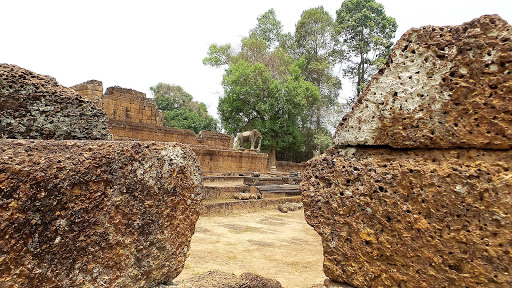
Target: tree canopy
{"x": 316, "y": 42}
{"x": 255, "y": 99}
{"x": 179, "y": 109}
{"x": 285, "y": 84}
{"x": 366, "y": 32}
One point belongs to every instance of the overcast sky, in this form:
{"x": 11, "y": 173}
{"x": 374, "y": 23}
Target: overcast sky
{"x": 136, "y": 44}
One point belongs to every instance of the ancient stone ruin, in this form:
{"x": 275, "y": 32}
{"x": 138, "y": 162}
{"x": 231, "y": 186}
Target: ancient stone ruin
{"x": 417, "y": 192}
{"x": 34, "y": 106}
{"x": 132, "y": 116}
{"x": 87, "y": 213}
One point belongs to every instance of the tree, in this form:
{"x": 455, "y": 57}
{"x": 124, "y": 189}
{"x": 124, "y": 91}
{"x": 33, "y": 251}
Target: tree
{"x": 180, "y": 110}
{"x": 169, "y": 97}
{"x": 315, "y": 41}
{"x": 366, "y": 32}
{"x": 268, "y": 29}
{"x": 218, "y": 55}
{"x": 265, "y": 88}
{"x": 255, "y": 99}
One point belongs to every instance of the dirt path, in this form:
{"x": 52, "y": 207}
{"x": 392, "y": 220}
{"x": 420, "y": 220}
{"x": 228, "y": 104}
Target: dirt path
{"x": 269, "y": 243}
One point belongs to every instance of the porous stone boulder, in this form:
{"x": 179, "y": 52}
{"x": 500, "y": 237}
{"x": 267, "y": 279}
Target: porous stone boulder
{"x": 95, "y": 213}
{"x": 441, "y": 87}
{"x": 34, "y": 106}
{"x": 418, "y": 190}
{"x": 413, "y": 218}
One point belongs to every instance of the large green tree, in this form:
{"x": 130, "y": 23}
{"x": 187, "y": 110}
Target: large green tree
{"x": 180, "y": 110}
{"x": 255, "y": 99}
{"x": 316, "y": 42}
{"x": 366, "y": 32}
{"x": 268, "y": 29}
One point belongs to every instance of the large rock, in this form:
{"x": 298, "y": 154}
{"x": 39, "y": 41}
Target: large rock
{"x": 95, "y": 213}
{"x": 413, "y": 218}
{"x": 437, "y": 211}
{"x": 34, "y": 106}
{"x": 441, "y": 87}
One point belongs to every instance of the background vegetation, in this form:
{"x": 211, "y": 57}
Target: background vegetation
{"x": 285, "y": 84}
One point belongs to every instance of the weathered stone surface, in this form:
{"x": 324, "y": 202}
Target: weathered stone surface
{"x": 95, "y": 213}
{"x": 413, "y": 218}
{"x": 34, "y": 106}
{"x": 441, "y": 87}
{"x": 219, "y": 279}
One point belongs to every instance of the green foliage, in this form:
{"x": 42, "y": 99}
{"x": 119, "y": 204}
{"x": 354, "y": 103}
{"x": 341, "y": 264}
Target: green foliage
{"x": 322, "y": 140}
{"x": 169, "y": 97}
{"x": 189, "y": 119}
{"x": 268, "y": 28}
{"x": 254, "y": 99}
{"x": 180, "y": 110}
{"x": 218, "y": 55}
{"x": 316, "y": 42}
{"x": 366, "y": 32}
{"x": 314, "y": 32}
{"x": 284, "y": 84}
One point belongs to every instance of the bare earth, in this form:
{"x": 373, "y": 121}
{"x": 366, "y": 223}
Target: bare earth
{"x": 269, "y": 243}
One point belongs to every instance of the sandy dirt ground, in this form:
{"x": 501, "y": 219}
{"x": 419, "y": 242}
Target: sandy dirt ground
{"x": 269, "y": 243}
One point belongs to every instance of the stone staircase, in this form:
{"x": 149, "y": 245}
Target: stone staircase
{"x": 262, "y": 192}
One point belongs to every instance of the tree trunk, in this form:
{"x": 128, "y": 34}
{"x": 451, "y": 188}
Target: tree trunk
{"x": 272, "y": 156}
{"x": 360, "y": 74}
{"x": 318, "y": 108}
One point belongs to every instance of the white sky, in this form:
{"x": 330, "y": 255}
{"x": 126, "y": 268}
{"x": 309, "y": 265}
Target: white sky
{"x": 136, "y": 44}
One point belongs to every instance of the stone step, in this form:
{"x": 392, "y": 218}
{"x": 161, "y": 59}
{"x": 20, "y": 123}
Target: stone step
{"x": 244, "y": 206}
{"x": 269, "y": 191}
{"x": 223, "y": 192}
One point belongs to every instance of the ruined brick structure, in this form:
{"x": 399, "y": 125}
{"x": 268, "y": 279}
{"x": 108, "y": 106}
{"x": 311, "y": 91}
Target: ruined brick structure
{"x": 91, "y": 90}
{"x": 132, "y": 116}
{"x": 121, "y": 104}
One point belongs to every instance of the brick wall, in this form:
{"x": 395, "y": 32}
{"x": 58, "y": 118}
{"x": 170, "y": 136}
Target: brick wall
{"x": 224, "y": 161}
{"x": 133, "y": 131}
{"x": 132, "y": 116}
{"x": 91, "y": 90}
{"x": 131, "y": 106}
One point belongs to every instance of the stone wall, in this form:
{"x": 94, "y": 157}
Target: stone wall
{"x": 132, "y": 116}
{"x": 91, "y": 90}
{"x": 399, "y": 203}
{"x": 224, "y": 161}
{"x": 129, "y": 131}
{"x": 130, "y": 106}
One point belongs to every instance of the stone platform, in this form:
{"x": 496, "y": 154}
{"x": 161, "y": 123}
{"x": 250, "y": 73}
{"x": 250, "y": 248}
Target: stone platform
{"x": 220, "y": 192}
